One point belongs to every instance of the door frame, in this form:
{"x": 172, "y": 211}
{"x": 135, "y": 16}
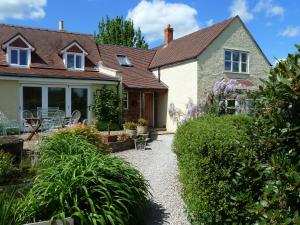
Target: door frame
{"x": 153, "y": 111}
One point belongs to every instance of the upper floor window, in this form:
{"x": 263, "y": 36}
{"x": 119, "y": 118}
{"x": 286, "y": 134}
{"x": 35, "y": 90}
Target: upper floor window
{"x": 236, "y": 61}
{"x": 75, "y": 61}
{"x": 123, "y": 60}
{"x": 19, "y": 57}
{"x": 74, "y": 56}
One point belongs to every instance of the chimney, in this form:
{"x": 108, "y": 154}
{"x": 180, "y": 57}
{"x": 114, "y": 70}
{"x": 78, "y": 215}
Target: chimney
{"x": 61, "y": 25}
{"x": 168, "y": 34}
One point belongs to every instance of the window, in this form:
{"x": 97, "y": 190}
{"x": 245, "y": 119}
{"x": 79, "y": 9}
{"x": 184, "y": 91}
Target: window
{"x": 123, "y": 60}
{"x": 74, "y": 61}
{"x": 125, "y": 100}
{"x": 236, "y": 61}
{"x": 19, "y": 57}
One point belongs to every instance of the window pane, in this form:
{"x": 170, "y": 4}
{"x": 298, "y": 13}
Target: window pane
{"x": 70, "y": 61}
{"x": 244, "y": 67}
{"x": 32, "y": 98}
{"x": 23, "y": 57}
{"x": 14, "y": 56}
{"x": 227, "y": 55}
{"x": 57, "y": 97}
{"x": 244, "y": 57}
{"x": 123, "y": 60}
{"x": 78, "y": 62}
{"x": 125, "y": 100}
{"x": 79, "y": 101}
{"x": 236, "y": 56}
{"x": 235, "y": 67}
{"x": 227, "y": 66}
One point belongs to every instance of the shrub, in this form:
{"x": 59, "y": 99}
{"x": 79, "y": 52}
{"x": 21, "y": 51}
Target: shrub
{"x": 106, "y": 106}
{"x": 59, "y": 141}
{"x": 7, "y": 209}
{"x": 142, "y": 122}
{"x": 276, "y": 139}
{"x": 77, "y": 181}
{"x": 211, "y": 150}
{"x": 7, "y": 167}
{"x": 103, "y": 126}
{"x": 130, "y": 125}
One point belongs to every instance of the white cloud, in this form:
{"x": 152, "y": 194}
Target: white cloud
{"x": 209, "y": 22}
{"x": 22, "y": 9}
{"x": 240, "y": 7}
{"x": 269, "y": 8}
{"x": 290, "y": 31}
{"x": 153, "y": 16}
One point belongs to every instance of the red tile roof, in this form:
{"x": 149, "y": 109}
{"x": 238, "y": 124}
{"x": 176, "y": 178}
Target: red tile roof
{"x": 189, "y": 46}
{"x": 137, "y": 76}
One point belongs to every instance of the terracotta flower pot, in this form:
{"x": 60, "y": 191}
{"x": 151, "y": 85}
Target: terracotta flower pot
{"x": 111, "y": 138}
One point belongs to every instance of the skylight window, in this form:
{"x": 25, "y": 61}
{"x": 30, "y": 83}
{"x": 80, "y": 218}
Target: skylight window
{"x": 123, "y": 60}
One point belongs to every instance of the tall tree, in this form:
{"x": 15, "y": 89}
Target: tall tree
{"x": 118, "y": 31}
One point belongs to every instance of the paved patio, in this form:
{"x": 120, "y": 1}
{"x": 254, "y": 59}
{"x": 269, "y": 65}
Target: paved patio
{"x": 159, "y": 166}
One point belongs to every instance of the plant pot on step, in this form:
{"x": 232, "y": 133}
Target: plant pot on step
{"x": 131, "y": 133}
{"x": 142, "y": 129}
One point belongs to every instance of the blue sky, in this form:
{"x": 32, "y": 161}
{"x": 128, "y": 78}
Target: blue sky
{"x": 275, "y": 24}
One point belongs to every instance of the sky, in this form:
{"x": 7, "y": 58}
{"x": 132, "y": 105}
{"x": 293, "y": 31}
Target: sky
{"x": 275, "y": 24}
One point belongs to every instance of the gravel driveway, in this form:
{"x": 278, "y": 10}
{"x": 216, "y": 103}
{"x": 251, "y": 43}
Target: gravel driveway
{"x": 159, "y": 166}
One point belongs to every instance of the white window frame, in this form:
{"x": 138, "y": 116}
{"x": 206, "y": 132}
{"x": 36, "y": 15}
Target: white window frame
{"x": 240, "y": 61}
{"x": 125, "y": 92}
{"x": 9, "y": 49}
{"x": 74, "y": 55}
{"x": 128, "y": 62}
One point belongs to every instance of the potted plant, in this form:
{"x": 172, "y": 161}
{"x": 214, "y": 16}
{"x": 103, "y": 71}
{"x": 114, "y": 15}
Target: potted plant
{"x": 142, "y": 126}
{"x": 110, "y": 138}
{"x": 130, "y": 128}
{"x": 140, "y": 142}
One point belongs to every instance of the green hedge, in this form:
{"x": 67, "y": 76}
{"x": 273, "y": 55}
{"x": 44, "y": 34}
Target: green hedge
{"x": 77, "y": 180}
{"x": 210, "y": 152}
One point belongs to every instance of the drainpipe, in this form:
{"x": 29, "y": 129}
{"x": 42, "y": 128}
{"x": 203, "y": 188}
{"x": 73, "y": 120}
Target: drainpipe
{"x": 158, "y": 74}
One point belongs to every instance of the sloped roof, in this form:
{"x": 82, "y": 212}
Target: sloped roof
{"x": 189, "y": 46}
{"x": 46, "y": 59}
{"x": 137, "y": 75}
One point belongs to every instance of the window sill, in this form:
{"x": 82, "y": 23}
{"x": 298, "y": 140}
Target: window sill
{"x": 238, "y": 73}
{"x": 79, "y": 70}
{"x": 18, "y": 66}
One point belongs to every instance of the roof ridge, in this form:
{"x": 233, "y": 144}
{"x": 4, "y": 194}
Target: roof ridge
{"x": 123, "y": 46}
{"x": 43, "y": 29}
{"x": 201, "y": 30}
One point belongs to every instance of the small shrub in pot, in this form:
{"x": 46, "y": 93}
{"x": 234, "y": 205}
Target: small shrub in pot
{"x": 142, "y": 126}
{"x": 130, "y": 129}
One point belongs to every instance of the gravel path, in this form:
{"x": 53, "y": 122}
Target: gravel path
{"x": 159, "y": 166}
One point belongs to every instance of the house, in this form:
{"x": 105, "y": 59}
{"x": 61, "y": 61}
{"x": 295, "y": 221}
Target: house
{"x": 43, "y": 68}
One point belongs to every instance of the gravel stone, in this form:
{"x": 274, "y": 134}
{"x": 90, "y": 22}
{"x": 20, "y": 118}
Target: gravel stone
{"x": 159, "y": 166}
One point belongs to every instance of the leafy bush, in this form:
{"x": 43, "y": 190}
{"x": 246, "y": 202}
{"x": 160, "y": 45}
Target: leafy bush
{"x": 7, "y": 167}
{"x": 75, "y": 180}
{"x": 58, "y": 141}
{"x": 103, "y": 126}
{"x": 7, "y": 209}
{"x": 106, "y": 106}
{"x": 210, "y": 152}
{"x": 277, "y": 135}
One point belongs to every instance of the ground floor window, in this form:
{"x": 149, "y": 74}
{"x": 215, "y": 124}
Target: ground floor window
{"x": 66, "y": 98}
{"x": 125, "y": 100}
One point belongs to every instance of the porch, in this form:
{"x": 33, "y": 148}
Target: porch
{"x": 148, "y": 104}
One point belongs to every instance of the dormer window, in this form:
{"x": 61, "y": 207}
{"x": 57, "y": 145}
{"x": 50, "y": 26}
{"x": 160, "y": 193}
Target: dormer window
{"x": 75, "y": 61}
{"x": 74, "y": 56}
{"x": 18, "y": 51}
{"x": 123, "y": 60}
{"x": 19, "y": 57}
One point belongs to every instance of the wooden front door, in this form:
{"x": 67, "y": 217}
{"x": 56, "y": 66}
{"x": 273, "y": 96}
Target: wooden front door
{"x": 149, "y": 108}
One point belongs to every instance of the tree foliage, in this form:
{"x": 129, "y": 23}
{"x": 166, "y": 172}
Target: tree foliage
{"x": 118, "y": 31}
{"x": 106, "y": 106}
